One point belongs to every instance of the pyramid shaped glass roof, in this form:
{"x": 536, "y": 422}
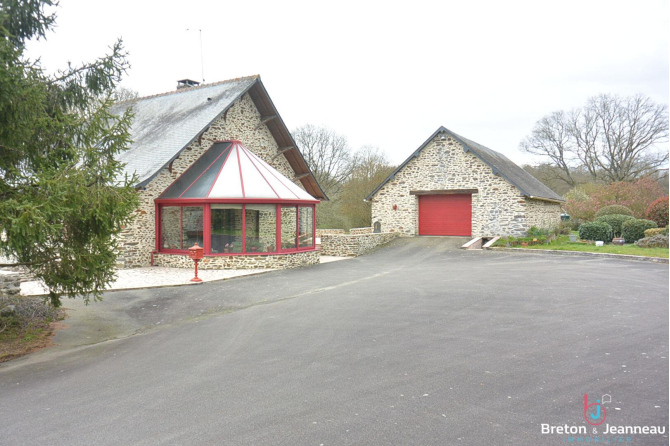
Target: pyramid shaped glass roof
{"x": 228, "y": 170}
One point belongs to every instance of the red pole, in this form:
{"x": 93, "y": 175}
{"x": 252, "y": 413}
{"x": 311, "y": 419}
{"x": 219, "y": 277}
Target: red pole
{"x": 196, "y": 279}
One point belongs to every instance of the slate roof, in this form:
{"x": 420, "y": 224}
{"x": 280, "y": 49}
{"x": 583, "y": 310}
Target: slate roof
{"x": 166, "y": 124}
{"x": 500, "y": 165}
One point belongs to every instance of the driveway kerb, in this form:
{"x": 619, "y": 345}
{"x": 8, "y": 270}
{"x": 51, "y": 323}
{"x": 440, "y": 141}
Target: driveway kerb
{"x": 582, "y": 253}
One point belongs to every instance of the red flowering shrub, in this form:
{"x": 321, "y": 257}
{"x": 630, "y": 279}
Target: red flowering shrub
{"x": 658, "y": 212}
{"x": 636, "y": 196}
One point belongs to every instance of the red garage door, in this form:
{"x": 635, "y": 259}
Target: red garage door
{"x": 449, "y": 214}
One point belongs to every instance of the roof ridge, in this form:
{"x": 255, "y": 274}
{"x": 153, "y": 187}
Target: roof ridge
{"x": 197, "y": 87}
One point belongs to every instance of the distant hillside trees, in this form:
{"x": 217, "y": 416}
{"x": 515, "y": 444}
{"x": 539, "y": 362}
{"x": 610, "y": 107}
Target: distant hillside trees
{"x": 347, "y": 176}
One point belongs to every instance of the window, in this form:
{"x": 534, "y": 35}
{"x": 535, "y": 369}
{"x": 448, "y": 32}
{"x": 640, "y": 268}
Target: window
{"x": 170, "y": 227}
{"x": 288, "y": 227}
{"x": 181, "y": 227}
{"x": 226, "y": 228}
{"x": 261, "y": 227}
{"x": 231, "y": 228}
{"x": 192, "y": 229}
{"x": 306, "y": 227}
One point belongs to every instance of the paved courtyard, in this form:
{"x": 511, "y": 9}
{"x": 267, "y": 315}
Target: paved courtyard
{"x": 416, "y": 343}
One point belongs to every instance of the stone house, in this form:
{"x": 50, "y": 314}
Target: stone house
{"x": 453, "y": 186}
{"x": 215, "y": 164}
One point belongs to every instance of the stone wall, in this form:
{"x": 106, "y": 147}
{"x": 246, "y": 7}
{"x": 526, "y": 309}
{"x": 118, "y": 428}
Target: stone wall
{"x": 251, "y": 261}
{"x": 239, "y": 123}
{"x": 348, "y": 245}
{"x": 355, "y": 231}
{"x": 321, "y": 232}
{"x": 498, "y": 208}
{"x": 24, "y": 273}
{"x": 542, "y": 214}
{"x": 10, "y": 283}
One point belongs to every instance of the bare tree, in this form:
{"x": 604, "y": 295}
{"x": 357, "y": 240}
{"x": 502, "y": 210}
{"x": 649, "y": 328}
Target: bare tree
{"x": 613, "y": 138}
{"x": 327, "y": 154}
{"x": 124, "y": 94}
{"x": 370, "y": 166}
{"x": 551, "y": 138}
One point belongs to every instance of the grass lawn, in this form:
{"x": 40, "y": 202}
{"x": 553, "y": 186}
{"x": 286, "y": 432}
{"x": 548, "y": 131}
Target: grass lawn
{"x": 563, "y": 244}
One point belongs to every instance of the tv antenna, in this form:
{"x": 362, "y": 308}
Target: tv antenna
{"x": 202, "y": 60}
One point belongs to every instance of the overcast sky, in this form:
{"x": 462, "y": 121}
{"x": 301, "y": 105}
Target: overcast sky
{"x": 386, "y": 73}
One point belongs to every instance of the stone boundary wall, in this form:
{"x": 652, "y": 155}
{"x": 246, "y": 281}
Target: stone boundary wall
{"x": 10, "y": 283}
{"x": 260, "y": 261}
{"x": 24, "y": 273}
{"x": 356, "y": 231}
{"x": 321, "y": 232}
{"x": 352, "y": 245}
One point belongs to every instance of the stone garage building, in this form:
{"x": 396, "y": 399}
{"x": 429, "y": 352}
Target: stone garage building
{"x": 453, "y": 186}
{"x": 216, "y": 165}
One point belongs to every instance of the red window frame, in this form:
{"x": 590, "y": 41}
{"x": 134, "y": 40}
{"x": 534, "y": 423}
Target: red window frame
{"x": 207, "y": 225}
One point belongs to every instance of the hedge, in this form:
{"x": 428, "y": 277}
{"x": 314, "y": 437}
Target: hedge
{"x": 615, "y": 221}
{"x": 633, "y": 230}
{"x": 596, "y": 230}
{"x": 614, "y": 209}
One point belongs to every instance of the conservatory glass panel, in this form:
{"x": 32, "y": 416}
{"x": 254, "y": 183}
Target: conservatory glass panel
{"x": 261, "y": 227}
{"x": 192, "y": 231}
{"x": 306, "y": 227}
{"x": 228, "y": 184}
{"x": 288, "y": 227}
{"x": 170, "y": 227}
{"x": 226, "y": 228}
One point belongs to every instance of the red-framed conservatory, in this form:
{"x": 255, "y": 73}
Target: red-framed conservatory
{"x": 231, "y": 202}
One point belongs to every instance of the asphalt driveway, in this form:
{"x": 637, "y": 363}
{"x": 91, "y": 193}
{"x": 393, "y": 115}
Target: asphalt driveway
{"x": 415, "y": 344}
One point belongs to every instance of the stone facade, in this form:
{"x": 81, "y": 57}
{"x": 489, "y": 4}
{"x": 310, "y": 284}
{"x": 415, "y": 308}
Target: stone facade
{"x": 251, "y": 261}
{"x": 241, "y": 122}
{"x": 348, "y": 245}
{"x": 498, "y": 208}
{"x": 542, "y": 214}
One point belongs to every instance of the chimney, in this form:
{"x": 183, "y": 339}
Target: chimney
{"x": 186, "y": 83}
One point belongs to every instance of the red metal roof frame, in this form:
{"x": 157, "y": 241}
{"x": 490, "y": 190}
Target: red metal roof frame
{"x": 235, "y": 145}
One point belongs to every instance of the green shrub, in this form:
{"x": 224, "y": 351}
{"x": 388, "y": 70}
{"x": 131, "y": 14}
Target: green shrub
{"x": 633, "y": 230}
{"x": 657, "y": 241}
{"x": 538, "y": 232}
{"x": 615, "y": 221}
{"x": 563, "y": 228}
{"x": 575, "y": 223}
{"x": 655, "y": 231}
{"x": 597, "y": 231}
{"x": 614, "y": 209}
{"x": 658, "y": 212}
